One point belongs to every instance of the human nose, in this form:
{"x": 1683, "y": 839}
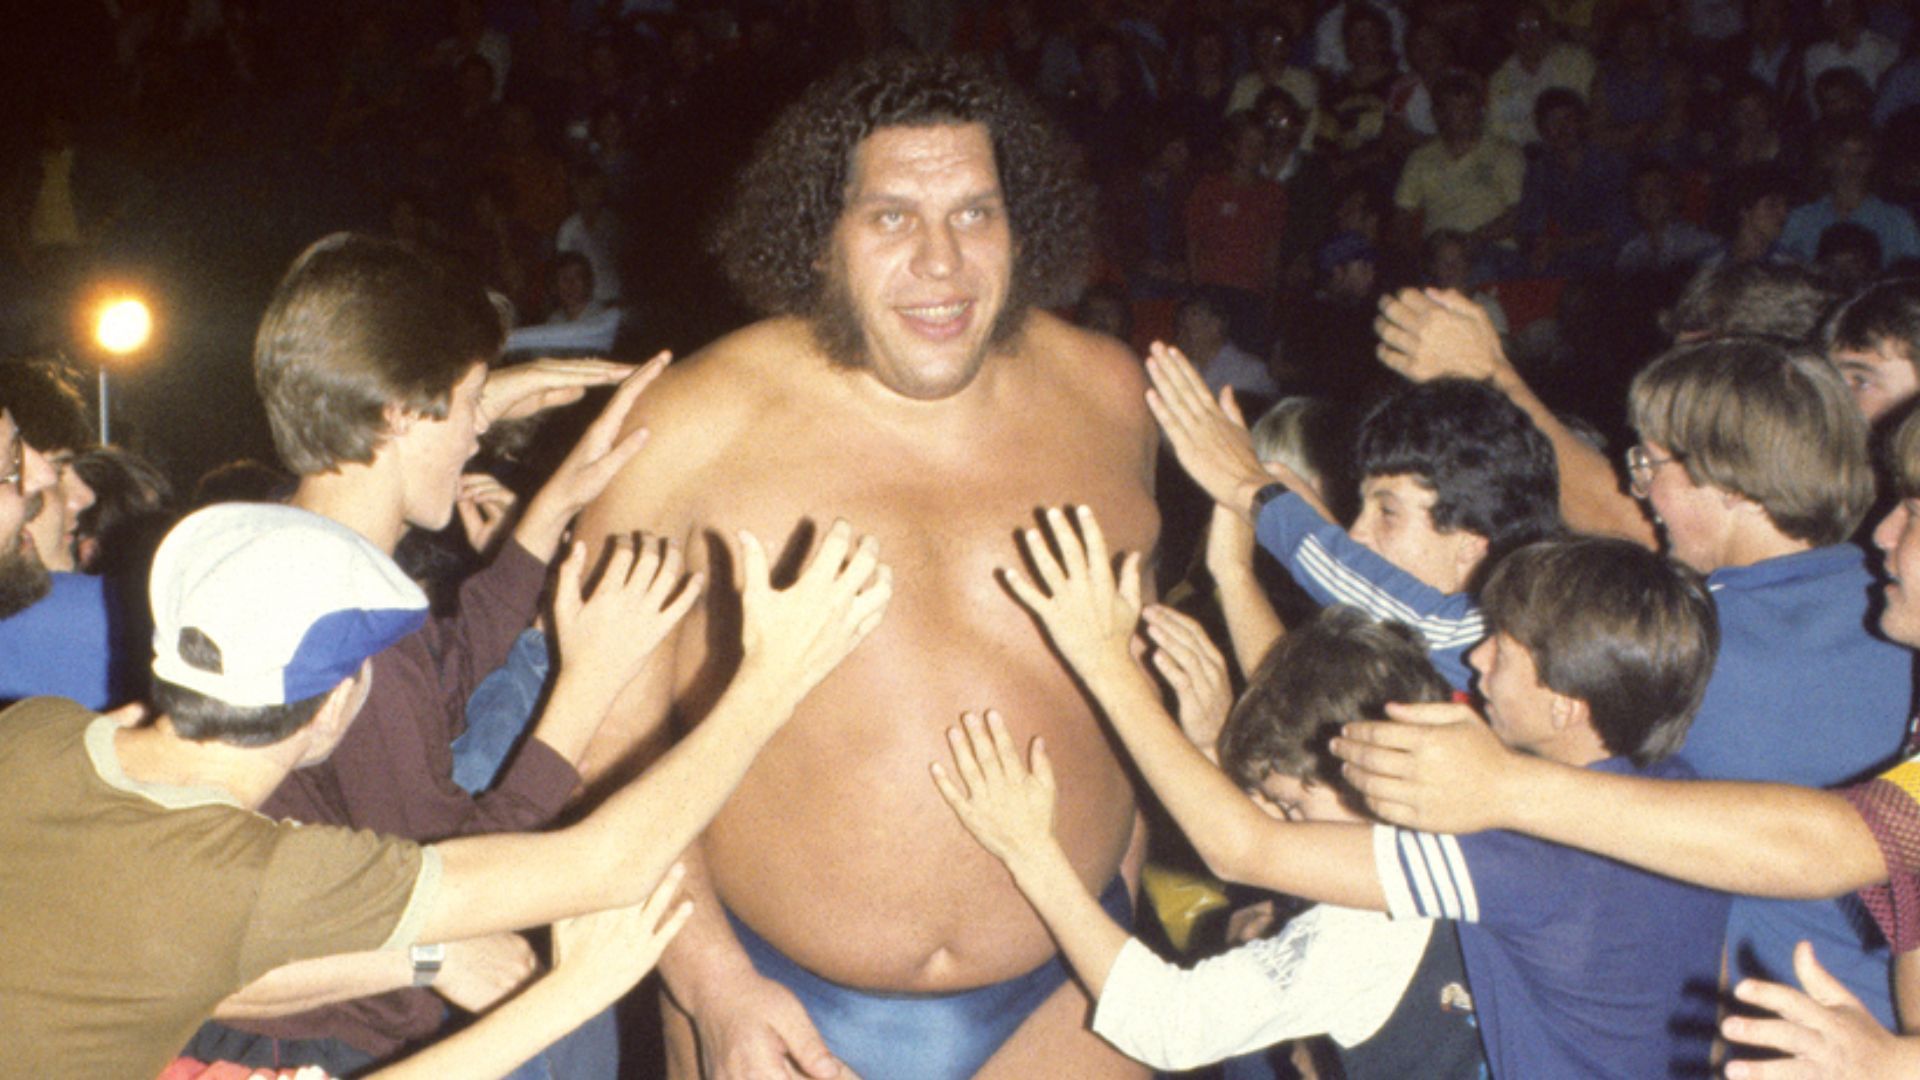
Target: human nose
{"x": 1887, "y": 533}
{"x": 36, "y": 473}
{"x": 80, "y": 494}
{"x": 938, "y": 254}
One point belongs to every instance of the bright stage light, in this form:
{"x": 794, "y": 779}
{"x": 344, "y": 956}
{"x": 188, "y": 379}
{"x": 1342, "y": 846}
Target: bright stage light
{"x": 124, "y": 326}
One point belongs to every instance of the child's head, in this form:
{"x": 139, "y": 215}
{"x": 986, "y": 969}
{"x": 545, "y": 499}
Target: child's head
{"x": 1594, "y": 636}
{"x": 1874, "y": 339}
{"x": 361, "y": 329}
{"x": 1768, "y": 423}
{"x": 1451, "y": 474}
{"x": 1339, "y": 667}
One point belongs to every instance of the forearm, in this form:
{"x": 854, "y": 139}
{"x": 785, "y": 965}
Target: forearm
{"x": 1773, "y": 840}
{"x": 309, "y": 984}
{"x": 572, "y": 715}
{"x": 542, "y": 526}
{"x": 617, "y": 854}
{"x": 706, "y": 955}
{"x": 1237, "y": 841}
{"x": 506, "y": 1037}
{"x": 1590, "y": 497}
{"x": 1252, "y": 623}
{"x": 1906, "y": 991}
{"x": 1087, "y": 935}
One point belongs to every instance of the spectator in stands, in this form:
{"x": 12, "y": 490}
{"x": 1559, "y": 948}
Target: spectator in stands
{"x": 1149, "y": 215}
{"x": 1768, "y": 53}
{"x": 1662, "y": 243}
{"x": 1465, "y": 179}
{"x": 1274, "y": 69}
{"x": 1847, "y": 159}
{"x": 1839, "y": 93}
{"x": 1106, "y": 116}
{"x": 1756, "y": 199}
{"x": 1356, "y": 100}
{"x": 1572, "y": 211}
{"x": 1235, "y": 220}
{"x": 593, "y": 231}
{"x": 1410, "y": 103}
{"x": 1330, "y": 53}
{"x": 1640, "y": 93}
{"x": 1202, "y": 81}
{"x": 1849, "y": 44}
{"x": 1200, "y": 331}
{"x": 1849, "y": 254}
{"x": 1539, "y": 63}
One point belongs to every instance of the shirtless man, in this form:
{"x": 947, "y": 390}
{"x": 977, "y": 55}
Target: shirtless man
{"x": 902, "y": 226}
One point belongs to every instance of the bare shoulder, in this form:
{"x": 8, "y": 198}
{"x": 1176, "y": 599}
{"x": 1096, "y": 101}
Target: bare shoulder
{"x": 1098, "y": 372}
{"x": 694, "y": 413}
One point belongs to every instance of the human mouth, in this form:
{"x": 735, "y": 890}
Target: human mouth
{"x": 938, "y": 321}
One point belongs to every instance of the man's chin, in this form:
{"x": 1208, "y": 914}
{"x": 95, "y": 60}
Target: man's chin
{"x": 24, "y": 581}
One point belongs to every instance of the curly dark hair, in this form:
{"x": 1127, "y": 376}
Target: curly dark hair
{"x": 774, "y": 237}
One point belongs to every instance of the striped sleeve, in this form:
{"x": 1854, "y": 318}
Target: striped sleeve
{"x": 1424, "y": 875}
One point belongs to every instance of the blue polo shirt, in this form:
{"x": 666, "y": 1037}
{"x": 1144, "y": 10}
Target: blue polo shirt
{"x": 1803, "y": 692}
{"x": 63, "y": 646}
{"x": 1578, "y": 965}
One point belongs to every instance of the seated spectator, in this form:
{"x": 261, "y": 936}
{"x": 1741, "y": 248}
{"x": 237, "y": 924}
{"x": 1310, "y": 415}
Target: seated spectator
{"x": 1850, "y": 254}
{"x": 1772, "y": 299}
{"x": 574, "y": 288}
{"x": 1308, "y": 182}
{"x": 1465, "y": 179}
{"x": 1753, "y": 135}
{"x": 1274, "y": 70}
{"x": 1538, "y": 64}
{"x": 1755, "y": 203}
{"x": 1847, "y": 160}
{"x": 1640, "y": 93}
{"x": 1355, "y": 101}
{"x": 593, "y": 230}
{"x": 1346, "y": 972}
{"x": 1235, "y": 219}
{"x": 1149, "y": 215}
{"x": 1767, "y": 52}
{"x": 1200, "y": 331}
{"x": 1444, "y": 265}
{"x": 1330, "y": 39}
{"x": 1203, "y": 79}
{"x": 1572, "y": 212}
{"x": 1848, "y": 44}
{"x": 1410, "y": 102}
{"x": 1109, "y": 108}
{"x": 1841, "y": 94}
{"x": 1662, "y": 244}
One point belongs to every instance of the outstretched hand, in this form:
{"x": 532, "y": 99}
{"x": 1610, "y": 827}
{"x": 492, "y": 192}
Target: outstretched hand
{"x": 1089, "y": 613}
{"x": 590, "y": 466}
{"x": 802, "y": 632}
{"x": 521, "y": 390}
{"x": 1188, "y": 660}
{"x": 1824, "y": 1031}
{"x": 606, "y": 636}
{"x": 1209, "y": 437}
{"x": 1436, "y": 333}
{"x": 1006, "y": 805}
{"x": 1434, "y": 767}
{"x": 601, "y": 956}
{"x": 485, "y": 506}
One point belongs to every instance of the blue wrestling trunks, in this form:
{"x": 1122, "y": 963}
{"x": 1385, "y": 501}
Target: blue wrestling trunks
{"x": 886, "y": 1036}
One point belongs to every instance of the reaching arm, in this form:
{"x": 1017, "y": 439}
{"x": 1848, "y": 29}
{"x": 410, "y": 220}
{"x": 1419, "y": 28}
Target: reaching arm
{"x": 1430, "y": 334}
{"x": 1252, "y": 623}
{"x": 597, "y": 958}
{"x": 1090, "y": 616}
{"x": 1441, "y": 769}
{"x": 791, "y": 639}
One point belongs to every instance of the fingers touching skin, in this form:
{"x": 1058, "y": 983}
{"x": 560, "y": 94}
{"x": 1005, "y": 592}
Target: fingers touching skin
{"x": 1190, "y": 663}
{"x": 1005, "y": 804}
{"x": 1822, "y": 1029}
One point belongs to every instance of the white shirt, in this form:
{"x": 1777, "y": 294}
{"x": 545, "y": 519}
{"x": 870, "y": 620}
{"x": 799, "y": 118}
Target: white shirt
{"x": 1335, "y": 971}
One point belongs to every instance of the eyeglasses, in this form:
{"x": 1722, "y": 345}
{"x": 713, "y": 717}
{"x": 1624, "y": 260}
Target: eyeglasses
{"x": 16, "y": 465}
{"x": 1640, "y": 466}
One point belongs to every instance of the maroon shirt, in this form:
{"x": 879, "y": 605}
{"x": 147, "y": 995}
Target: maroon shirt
{"x": 393, "y": 774}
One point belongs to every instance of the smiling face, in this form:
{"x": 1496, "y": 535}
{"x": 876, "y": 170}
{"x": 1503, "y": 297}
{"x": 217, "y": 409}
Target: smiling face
{"x": 922, "y": 258}
{"x": 432, "y": 452}
{"x": 1697, "y": 518}
{"x": 1881, "y": 379}
{"x": 1396, "y": 523}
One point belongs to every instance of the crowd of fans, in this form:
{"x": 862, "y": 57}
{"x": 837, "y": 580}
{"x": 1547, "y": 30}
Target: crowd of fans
{"x": 1466, "y": 252}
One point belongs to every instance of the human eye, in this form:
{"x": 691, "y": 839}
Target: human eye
{"x": 890, "y": 219}
{"x": 974, "y": 215}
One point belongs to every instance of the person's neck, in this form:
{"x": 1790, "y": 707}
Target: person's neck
{"x": 156, "y": 754}
{"x": 1577, "y": 746}
{"x": 1749, "y": 244}
{"x": 1848, "y": 196}
{"x": 359, "y": 497}
{"x": 1757, "y": 541}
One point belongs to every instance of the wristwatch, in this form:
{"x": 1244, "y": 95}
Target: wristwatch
{"x": 426, "y": 963}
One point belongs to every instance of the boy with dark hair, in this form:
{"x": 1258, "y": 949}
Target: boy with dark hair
{"x": 144, "y": 886}
{"x": 372, "y": 361}
{"x": 1579, "y": 966}
{"x": 1355, "y": 975}
{"x": 1874, "y": 339}
{"x": 1452, "y": 477}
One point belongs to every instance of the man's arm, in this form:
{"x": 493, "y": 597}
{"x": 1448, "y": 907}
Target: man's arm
{"x": 1441, "y": 769}
{"x": 1090, "y": 615}
{"x": 1430, "y": 334}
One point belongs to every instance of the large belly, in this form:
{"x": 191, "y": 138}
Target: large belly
{"x": 838, "y": 849}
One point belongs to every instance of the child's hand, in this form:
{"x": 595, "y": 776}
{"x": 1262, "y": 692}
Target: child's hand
{"x": 601, "y": 956}
{"x": 485, "y": 506}
{"x": 1088, "y": 612}
{"x": 1436, "y": 767}
{"x": 592, "y": 463}
{"x": 1209, "y": 437}
{"x": 1188, "y": 660}
{"x": 641, "y": 596}
{"x": 800, "y": 633}
{"x": 1006, "y": 806}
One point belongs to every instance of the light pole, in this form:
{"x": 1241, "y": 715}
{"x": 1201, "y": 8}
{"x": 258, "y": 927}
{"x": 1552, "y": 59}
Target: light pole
{"x": 123, "y": 327}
